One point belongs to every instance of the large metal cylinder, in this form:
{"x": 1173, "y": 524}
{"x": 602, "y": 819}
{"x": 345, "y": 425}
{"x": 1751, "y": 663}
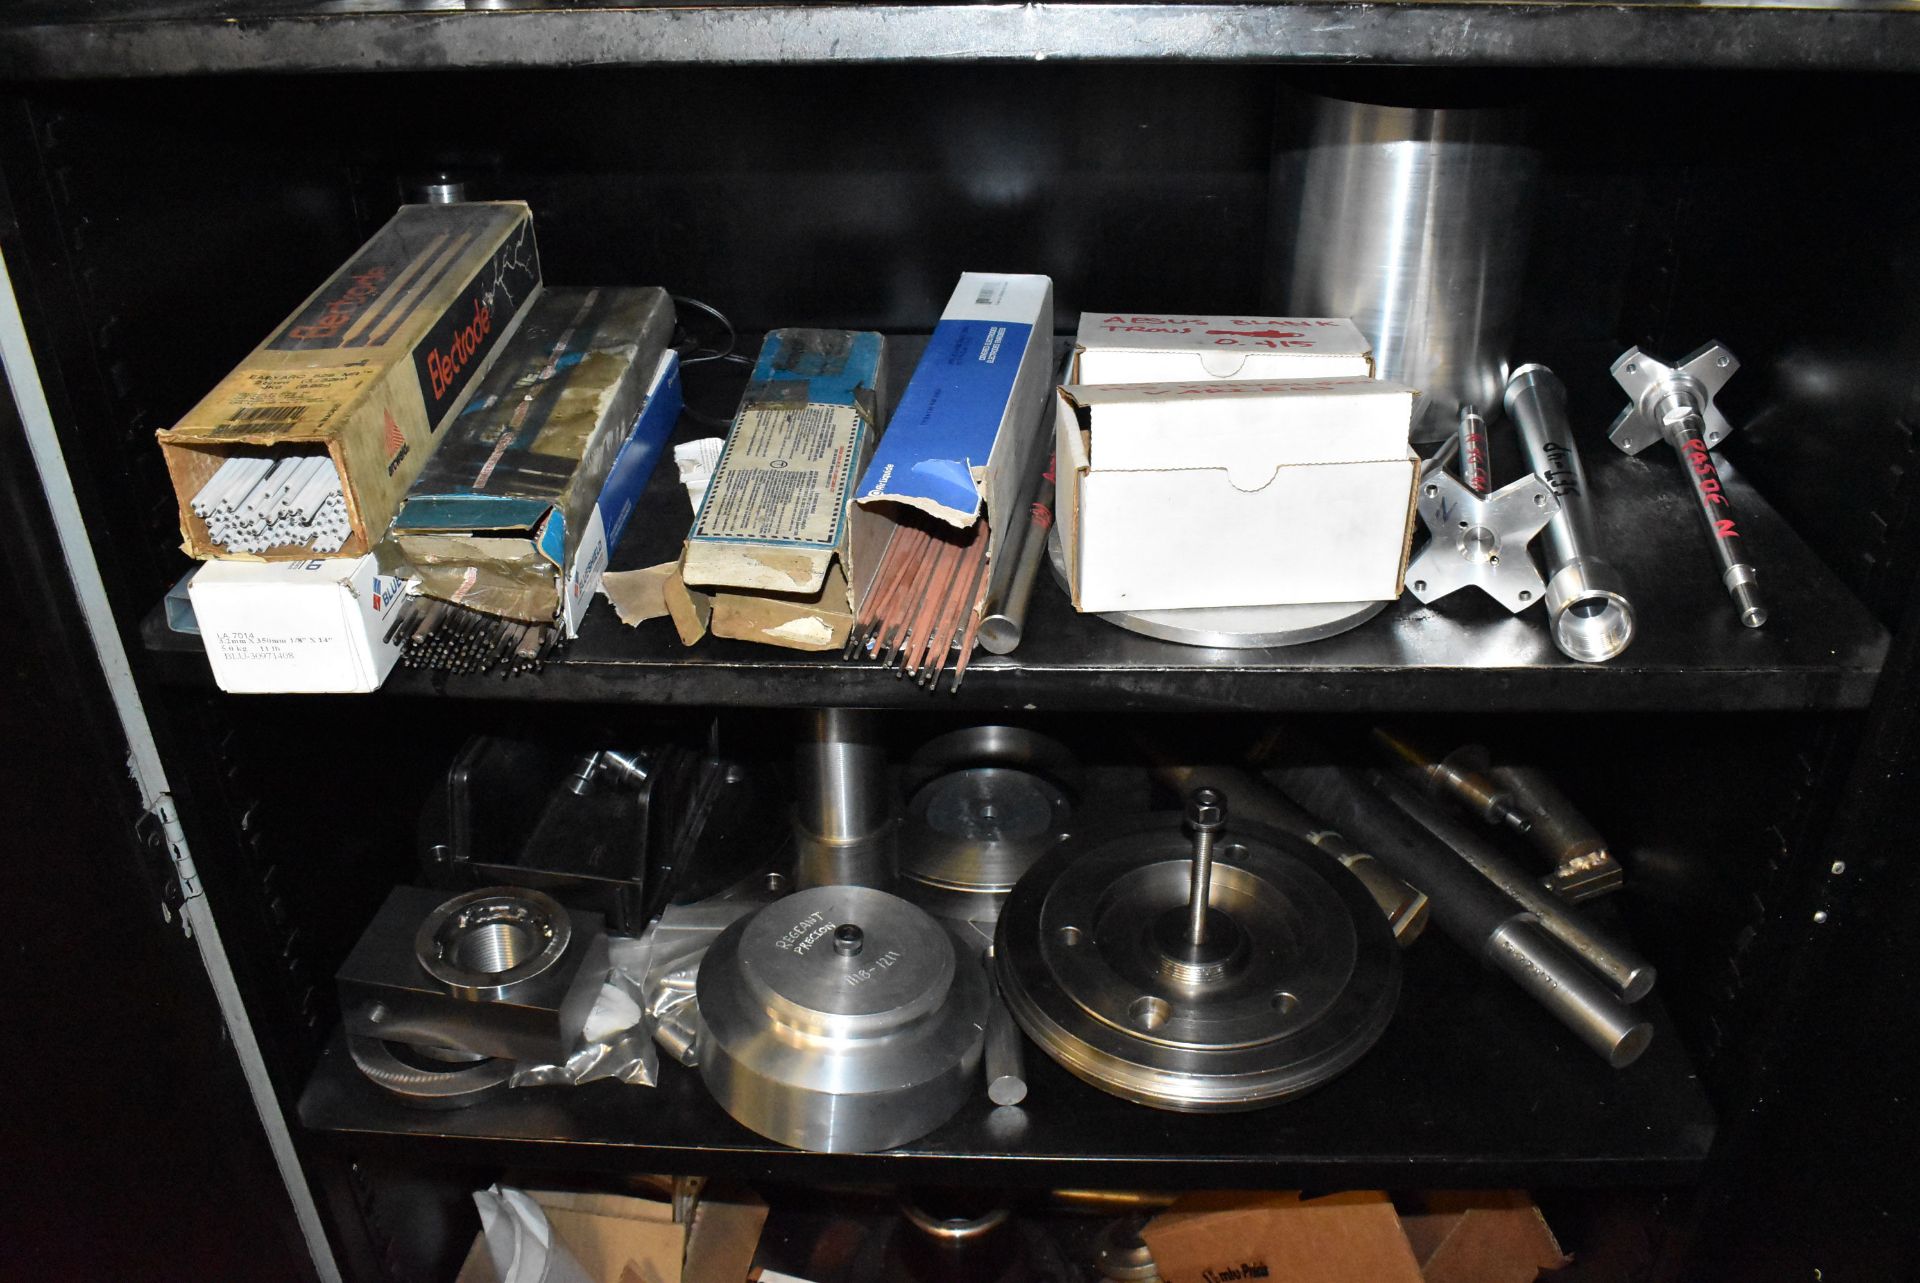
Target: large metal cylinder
{"x": 1413, "y": 221}
{"x": 844, "y": 812}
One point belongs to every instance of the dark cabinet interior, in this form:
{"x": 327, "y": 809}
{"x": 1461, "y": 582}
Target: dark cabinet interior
{"x": 1750, "y": 781}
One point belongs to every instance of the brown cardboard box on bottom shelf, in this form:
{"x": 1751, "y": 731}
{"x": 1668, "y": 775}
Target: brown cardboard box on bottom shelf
{"x": 1231, "y": 1236}
{"x": 618, "y": 1239}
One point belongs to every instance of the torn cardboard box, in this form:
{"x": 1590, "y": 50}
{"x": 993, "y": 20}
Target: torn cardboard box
{"x": 778, "y": 547}
{"x": 1231, "y": 1237}
{"x": 1481, "y": 1236}
{"x": 516, "y": 511}
{"x": 1132, "y": 348}
{"x": 618, "y": 1239}
{"x": 369, "y": 368}
{"x": 1177, "y": 495}
{"x": 969, "y": 433}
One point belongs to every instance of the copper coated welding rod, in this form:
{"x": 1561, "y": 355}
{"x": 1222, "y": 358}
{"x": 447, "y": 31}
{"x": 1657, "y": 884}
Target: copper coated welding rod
{"x": 959, "y": 612}
{"x": 905, "y": 575}
{"x": 869, "y": 609}
{"x": 913, "y": 623}
{"x": 945, "y": 571}
{"x": 912, "y": 586}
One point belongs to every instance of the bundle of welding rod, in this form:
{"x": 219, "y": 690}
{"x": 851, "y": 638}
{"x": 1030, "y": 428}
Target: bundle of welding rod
{"x": 923, "y": 602}
{"x": 256, "y": 502}
{"x": 459, "y": 639}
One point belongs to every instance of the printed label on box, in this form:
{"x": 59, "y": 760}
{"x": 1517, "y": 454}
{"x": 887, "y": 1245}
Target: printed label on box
{"x": 781, "y": 476}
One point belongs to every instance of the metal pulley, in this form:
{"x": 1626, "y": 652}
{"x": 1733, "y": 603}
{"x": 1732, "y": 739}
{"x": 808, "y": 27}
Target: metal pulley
{"x": 1203, "y": 966}
{"x": 840, "y": 1019}
{"x": 984, "y": 804}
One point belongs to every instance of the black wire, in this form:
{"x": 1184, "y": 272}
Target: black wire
{"x": 698, "y": 355}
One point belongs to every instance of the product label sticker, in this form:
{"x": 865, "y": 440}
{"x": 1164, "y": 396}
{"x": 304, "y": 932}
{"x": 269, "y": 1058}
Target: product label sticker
{"x": 783, "y": 476}
{"x": 292, "y": 402}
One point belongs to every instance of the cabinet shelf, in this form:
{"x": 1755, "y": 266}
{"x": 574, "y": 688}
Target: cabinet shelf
{"x": 1820, "y": 649}
{"x": 1471, "y": 1086}
{"x": 47, "y": 39}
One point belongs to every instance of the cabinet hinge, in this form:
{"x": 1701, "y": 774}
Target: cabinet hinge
{"x": 162, "y": 817}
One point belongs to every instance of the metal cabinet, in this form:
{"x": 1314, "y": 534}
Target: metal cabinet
{"x": 176, "y": 176}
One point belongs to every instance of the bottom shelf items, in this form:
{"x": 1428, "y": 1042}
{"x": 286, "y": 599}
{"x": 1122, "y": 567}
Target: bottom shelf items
{"x": 1470, "y": 1086}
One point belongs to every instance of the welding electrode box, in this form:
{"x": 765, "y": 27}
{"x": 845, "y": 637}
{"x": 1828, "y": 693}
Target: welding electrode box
{"x": 1114, "y": 347}
{"x": 311, "y": 627}
{"x": 970, "y": 430}
{"x": 1180, "y": 495}
{"x": 778, "y": 542}
{"x": 514, "y": 514}
{"x": 370, "y": 367}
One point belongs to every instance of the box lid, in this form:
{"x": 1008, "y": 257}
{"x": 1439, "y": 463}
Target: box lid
{"x": 1129, "y": 347}
{"x": 1248, "y": 428}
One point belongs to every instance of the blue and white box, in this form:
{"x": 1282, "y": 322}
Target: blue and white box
{"x": 970, "y": 426}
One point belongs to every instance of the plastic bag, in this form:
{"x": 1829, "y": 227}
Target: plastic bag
{"x": 678, "y": 941}
{"x": 616, "y": 1042}
{"x": 520, "y": 1242}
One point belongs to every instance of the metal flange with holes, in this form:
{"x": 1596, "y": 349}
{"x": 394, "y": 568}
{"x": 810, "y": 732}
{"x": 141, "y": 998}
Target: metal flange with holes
{"x": 1480, "y": 541}
{"x": 1289, "y": 979}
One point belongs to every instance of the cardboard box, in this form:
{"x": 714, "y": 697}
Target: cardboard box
{"x": 970, "y": 428}
{"x": 1481, "y": 1236}
{"x": 636, "y": 1240}
{"x": 778, "y": 547}
{"x": 1122, "y": 348}
{"x": 370, "y": 367}
{"x": 514, "y": 514}
{"x": 312, "y": 627}
{"x": 1179, "y": 495}
{"x": 1230, "y": 1237}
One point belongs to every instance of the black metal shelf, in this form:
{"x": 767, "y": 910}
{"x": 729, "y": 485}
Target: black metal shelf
{"x": 1821, "y": 649}
{"x": 50, "y": 40}
{"x": 1471, "y": 1086}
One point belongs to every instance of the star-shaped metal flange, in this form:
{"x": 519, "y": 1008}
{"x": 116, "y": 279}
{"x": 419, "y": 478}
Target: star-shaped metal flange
{"x": 1480, "y": 541}
{"x": 1692, "y": 385}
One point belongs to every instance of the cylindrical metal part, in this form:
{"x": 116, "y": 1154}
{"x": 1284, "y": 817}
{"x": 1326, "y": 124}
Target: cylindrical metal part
{"x": 1522, "y": 951}
{"x": 1466, "y": 906}
{"x": 825, "y": 1050}
{"x": 1681, "y": 421}
{"x": 1631, "y": 975}
{"x": 1257, "y": 801}
{"x": 844, "y": 809}
{"x": 1206, "y": 816}
{"x": 1561, "y": 833}
{"x": 1476, "y": 468}
{"x": 1006, "y": 1059}
{"x": 1460, "y": 775}
{"x": 1586, "y": 599}
{"x": 1412, "y": 221}
{"x": 1006, "y": 610}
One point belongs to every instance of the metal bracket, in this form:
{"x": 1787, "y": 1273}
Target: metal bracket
{"x": 1649, "y": 382}
{"x": 1481, "y": 541}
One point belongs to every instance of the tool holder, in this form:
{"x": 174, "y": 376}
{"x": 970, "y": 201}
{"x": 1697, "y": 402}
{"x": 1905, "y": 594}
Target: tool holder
{"x": 1675, "y": 404}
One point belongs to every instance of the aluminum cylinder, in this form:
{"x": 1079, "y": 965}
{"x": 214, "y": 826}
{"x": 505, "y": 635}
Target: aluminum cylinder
{"x": 1411, "y": 220}
{"x": 844, "y": 811}
{"x": 1587, "y": 604}
{"x": 1520, "y": 950}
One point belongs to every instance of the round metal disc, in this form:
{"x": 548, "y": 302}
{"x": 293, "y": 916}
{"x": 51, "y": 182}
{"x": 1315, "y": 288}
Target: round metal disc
{"x": 421, "y": 1079}
{"x": 986, "y": 802}
{"x": 1298, "y": 979}
{"x": 1232, "y": 627}
{"x": 840, "y": 1019}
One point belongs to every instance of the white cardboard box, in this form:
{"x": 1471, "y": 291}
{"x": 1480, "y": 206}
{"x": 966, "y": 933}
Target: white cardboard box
{"x": 302, "y": 627}
{"x": 1180, "y": 495}
{"x": 1117, "y": 347}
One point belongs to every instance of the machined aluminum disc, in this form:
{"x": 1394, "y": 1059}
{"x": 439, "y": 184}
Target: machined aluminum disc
{"x": 985, "y": 803}
{"x": 1297, "y": 979}
{"x": 840, "y": 1019}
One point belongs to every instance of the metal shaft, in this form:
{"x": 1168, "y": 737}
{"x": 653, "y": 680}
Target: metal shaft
{"x": 1004, "y": 1057}
{"x": 1586, "y": 600}
{"x": 844, "y": 812}
{"x": 1476, "y": 468}
{"x": 1006, "y": 616}
{"x": 1583, "y": 867}
{"x": 1471, "y": 912}
{"x": 1682, "y": 422}
{"x": 1460, "y": 775}
{"x": 1254, "y": 799}
{"x": 1206, "y": 816}
{"x": 1628, "y": 973}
